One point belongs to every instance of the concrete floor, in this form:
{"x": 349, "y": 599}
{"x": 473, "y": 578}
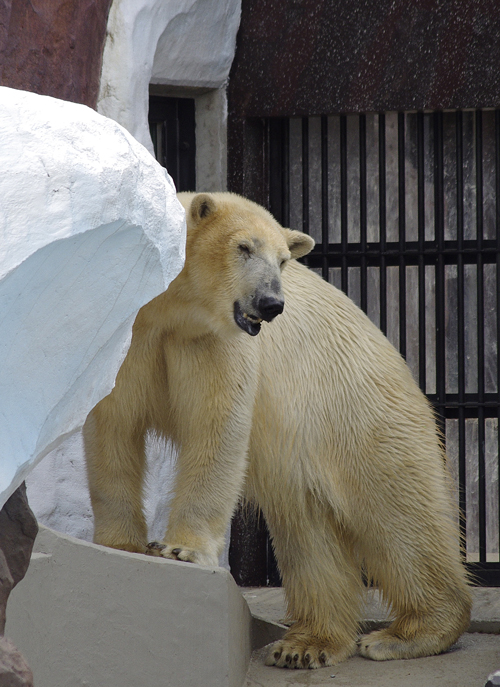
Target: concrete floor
{"x": 467, "y": 664}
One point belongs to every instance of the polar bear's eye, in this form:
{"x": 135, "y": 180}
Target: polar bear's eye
{"x": 244, "y": 248}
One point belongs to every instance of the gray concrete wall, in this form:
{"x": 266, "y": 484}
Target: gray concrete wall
{"x": 211, "y": 141}
{"x": 89, "y": 615}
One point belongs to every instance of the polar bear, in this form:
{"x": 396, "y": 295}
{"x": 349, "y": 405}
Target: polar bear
{"x": 276, "y": 388}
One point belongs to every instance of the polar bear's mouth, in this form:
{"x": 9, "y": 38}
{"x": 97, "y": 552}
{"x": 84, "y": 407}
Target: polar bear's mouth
{"x": 249, "y": 323}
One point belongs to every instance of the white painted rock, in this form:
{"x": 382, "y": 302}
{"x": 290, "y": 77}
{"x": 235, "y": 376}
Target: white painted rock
{"x": 186, "y": 43}
{"x": 59, "y": 497}
{"x": 90, "y": 230}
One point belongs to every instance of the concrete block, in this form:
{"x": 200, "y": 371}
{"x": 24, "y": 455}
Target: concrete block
{"x": 86, "y": 615}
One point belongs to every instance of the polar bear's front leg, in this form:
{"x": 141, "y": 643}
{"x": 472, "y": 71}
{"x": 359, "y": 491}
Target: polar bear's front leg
{"x": 207, "y": 487}
{"x": 213, "y": 403}
{"x": 210, "y": 474}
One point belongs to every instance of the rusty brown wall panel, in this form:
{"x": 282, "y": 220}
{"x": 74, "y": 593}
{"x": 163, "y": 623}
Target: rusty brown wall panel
{"x": 297, "y": 57}
{"x": 53, "y": 47}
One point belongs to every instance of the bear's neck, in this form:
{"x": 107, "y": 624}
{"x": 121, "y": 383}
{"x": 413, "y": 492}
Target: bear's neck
{"x": 179, "y": 313}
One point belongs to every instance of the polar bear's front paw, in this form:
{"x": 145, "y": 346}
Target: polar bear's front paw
{"x": 179, "y": 553}
{"x": 306, "y": 653}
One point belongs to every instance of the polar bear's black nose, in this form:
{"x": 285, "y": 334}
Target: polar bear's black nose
{"x": 269, "y": 307}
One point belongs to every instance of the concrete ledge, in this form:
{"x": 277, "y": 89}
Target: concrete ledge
{"x": 89, "y": 615}
{"x": 267, "y": 605}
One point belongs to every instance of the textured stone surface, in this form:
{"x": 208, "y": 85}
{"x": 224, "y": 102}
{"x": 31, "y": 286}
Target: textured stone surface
{"x": 311, "y": 57}
{"x": 53, "y": 48}
{"x": 59, "y": 496}
{"x": 187, "y": 43}
{"x": 6, "y": 586}
{"x": 18, "y": 529}
{"x": 90, "y": 229}
{"x": 14, "y": 671}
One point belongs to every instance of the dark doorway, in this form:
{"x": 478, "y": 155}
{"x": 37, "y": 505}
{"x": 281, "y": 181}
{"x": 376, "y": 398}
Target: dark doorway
{"x": 172, "y": 126}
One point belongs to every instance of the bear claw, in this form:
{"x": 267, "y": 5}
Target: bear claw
{"x": 154, "y": 548}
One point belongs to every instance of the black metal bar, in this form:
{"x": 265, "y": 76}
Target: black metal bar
{"x": 175, "y": 119}
{"x": 186, "y": 142}
{"x": 164, "y": 159}
{"x": 274, "y": 136}
{"x": 172, "y": 146}
{"x": 402, "y": 232}
{"x": 324, "y": 195}
{"x": 249, "y": 535}
{"x": 461, "y": 324}
{"x": 469, "y": 402}
{"x": 497, "y": 225}
{"x": 486, "y": 574}
{"x": 421, "y": 242}
{"x": 305, "y": 175}
{"x": 362, "y": 212}
{"x": 343, "y": 201}
{"x": 440, "y": 267}
{"x": 285, "y": 162}
{"x": 382, "y": 220}
{"x": 411, "y": 254}
{"x": 480, "y": 337}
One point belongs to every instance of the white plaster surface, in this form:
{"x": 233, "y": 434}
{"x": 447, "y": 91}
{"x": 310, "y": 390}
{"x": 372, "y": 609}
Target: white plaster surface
{"x": 59, "y": 497}
{"x": 90, "y": 230}
{"x": 187, "y": 43}
{"x": 93, "y": 616}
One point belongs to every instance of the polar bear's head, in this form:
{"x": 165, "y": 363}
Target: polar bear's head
{"x": 235, "y": 255}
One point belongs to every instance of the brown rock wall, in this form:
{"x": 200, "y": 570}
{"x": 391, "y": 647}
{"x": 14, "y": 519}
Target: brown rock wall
{"x": 14, "y": 671}
{"x": 18, "y": 529}
{"x": 53, "y": 48}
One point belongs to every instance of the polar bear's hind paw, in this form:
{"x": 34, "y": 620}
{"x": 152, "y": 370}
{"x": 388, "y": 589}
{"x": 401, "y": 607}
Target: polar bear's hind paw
{"x": 383, "y": 645}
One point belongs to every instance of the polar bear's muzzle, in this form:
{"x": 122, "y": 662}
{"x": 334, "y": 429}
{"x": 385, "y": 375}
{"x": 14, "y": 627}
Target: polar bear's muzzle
{"x": 266, "y": 308}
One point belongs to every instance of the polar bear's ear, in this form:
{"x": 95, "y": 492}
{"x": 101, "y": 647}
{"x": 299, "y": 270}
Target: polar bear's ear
{"x": 299, "y": 244}
{"x": 202, "y": 206}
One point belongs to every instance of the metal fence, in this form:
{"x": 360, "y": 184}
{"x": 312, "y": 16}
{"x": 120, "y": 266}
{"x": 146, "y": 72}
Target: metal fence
{"x": 405, "y": 210}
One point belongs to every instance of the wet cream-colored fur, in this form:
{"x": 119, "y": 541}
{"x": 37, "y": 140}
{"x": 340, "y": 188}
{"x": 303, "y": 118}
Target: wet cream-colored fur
{"x": 316, "y": 419}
